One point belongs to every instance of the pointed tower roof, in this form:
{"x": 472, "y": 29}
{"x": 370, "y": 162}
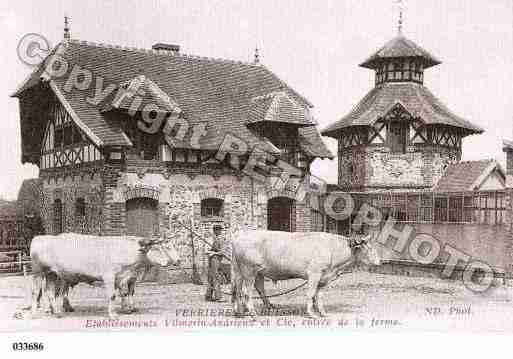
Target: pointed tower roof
{"x": 400, "y": 47}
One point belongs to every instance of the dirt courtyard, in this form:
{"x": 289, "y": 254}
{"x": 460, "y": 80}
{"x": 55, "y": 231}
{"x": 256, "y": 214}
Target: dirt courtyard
{"x": 357, "y": 301}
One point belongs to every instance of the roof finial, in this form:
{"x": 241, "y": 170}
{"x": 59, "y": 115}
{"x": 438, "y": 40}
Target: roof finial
{"x": 400, "y": 5}
{"x": 256, "y": 61}
{"x": 67, "y": 34}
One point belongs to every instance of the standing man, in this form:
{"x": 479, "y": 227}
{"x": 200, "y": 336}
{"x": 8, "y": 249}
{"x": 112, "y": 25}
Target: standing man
{"x": 213, "y": 293}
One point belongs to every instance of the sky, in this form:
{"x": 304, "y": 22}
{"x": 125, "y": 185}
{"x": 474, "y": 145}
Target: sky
{"x": 314, "y": 46}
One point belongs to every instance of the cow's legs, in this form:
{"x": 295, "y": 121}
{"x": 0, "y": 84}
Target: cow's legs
{"x": 237, "y": 291}
{"x": 52, "y": 291}
{"x": 313, "y": 283}
{"x": 111, "y": 294}
{"x": 127, "y": 295}
{"x": 131, "y": 292}
{"x": 37, "y": 287}
{"x": 248, "y": 283}
{"x": 124, "y": 304}
{"x": 260, "y": 287}
{"x": 317, "y": 302}
{"x": 66, "y": 306}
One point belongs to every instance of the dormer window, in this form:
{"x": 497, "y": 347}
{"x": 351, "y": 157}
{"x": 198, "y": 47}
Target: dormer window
{"x": 398, "y": 136}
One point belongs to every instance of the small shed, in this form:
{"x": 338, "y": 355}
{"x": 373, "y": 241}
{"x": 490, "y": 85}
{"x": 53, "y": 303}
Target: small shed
{"x": 479, "y": 175}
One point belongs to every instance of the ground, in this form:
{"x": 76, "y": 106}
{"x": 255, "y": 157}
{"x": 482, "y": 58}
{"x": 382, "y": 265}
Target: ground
{"x": 359, "y": 301}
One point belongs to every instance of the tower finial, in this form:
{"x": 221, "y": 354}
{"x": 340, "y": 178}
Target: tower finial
{"x": 400, "y": 5}
{"x": 256, "y": 61}
{"x": 67, "y": 34}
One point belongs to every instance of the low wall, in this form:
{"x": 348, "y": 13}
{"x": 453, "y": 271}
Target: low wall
{"x": 488, "y": 243}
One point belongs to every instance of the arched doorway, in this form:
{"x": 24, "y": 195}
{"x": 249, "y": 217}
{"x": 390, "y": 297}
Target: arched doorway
{"x": 281, "y": 214}
{"x": 142, "y": 217}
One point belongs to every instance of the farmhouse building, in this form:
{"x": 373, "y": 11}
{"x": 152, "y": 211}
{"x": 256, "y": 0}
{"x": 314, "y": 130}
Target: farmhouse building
{"x": 107, "y": 169}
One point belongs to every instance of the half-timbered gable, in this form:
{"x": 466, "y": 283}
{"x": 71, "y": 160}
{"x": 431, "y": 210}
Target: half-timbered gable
{"x": 64, "y": 144}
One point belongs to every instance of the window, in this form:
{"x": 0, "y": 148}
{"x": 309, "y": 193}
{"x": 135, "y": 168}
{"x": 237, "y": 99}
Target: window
{"x": 400, "y": 71}
{"x": 398, "y": 135}
{"x": 58, "y": 137}
{"x": 146, "y": 146}
{"x": 67, "y": 135}
{"x": 80, "y": 207}
{"x": 211, "y": 207}
{"x": 57, "y": 217}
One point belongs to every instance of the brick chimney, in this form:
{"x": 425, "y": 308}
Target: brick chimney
{"x": 170, "y": 49}
{"x": 507, "y": 146}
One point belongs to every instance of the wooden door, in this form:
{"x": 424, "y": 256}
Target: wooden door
{"x": 142, "y": 217}
{"x": 281, "y": 214}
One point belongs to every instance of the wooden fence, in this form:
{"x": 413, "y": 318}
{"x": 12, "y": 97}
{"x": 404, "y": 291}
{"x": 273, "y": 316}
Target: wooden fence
{"x": 477, "y": 207}
{"x": 18, "y": 263}
{"x": 472, "y": 207}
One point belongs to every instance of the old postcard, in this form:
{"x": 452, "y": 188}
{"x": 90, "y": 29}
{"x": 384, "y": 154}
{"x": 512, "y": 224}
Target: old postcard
{"x": 258, "y": 165}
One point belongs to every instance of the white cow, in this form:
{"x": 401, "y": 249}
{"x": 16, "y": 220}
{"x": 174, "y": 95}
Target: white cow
{"x": 61, "y": 261}
{"x": 317, "y": 257}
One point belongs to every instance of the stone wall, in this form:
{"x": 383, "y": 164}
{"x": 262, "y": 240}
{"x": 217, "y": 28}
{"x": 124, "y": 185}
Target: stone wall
{"x": 68, "y": 188}
{"x": 179, "y": 192}
{"x": 245, "y": 207}
{"x": 367, "y": 167}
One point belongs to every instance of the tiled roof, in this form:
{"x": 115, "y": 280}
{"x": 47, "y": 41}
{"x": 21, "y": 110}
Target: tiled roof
{"x": 280, "y": 108}
{"x": 400, "y": 46}
{"x": 415, "y": 98}
{"x": 463, "y": 176}
{"x": 212, "y": 91}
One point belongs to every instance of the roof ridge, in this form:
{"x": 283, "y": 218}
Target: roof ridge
{"x": 157, "y": 53}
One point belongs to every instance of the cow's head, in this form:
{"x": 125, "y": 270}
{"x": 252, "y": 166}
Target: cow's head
{"x": 365, "y": 251}
{"x": 160, "y": 252}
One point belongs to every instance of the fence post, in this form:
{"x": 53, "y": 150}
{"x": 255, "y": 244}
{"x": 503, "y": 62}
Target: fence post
{"x": 20, "y": 260}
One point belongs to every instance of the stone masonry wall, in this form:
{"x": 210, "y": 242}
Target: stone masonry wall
{"x": 374, "y": 166}
{"x": 68, "y": 188}
{"x": 106, "y": 190}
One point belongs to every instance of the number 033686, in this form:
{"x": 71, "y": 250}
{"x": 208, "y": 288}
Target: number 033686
{"x": 23, "y": 346}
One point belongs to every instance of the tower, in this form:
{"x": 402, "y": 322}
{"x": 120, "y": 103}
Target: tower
{"x": 399, "y": 136}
